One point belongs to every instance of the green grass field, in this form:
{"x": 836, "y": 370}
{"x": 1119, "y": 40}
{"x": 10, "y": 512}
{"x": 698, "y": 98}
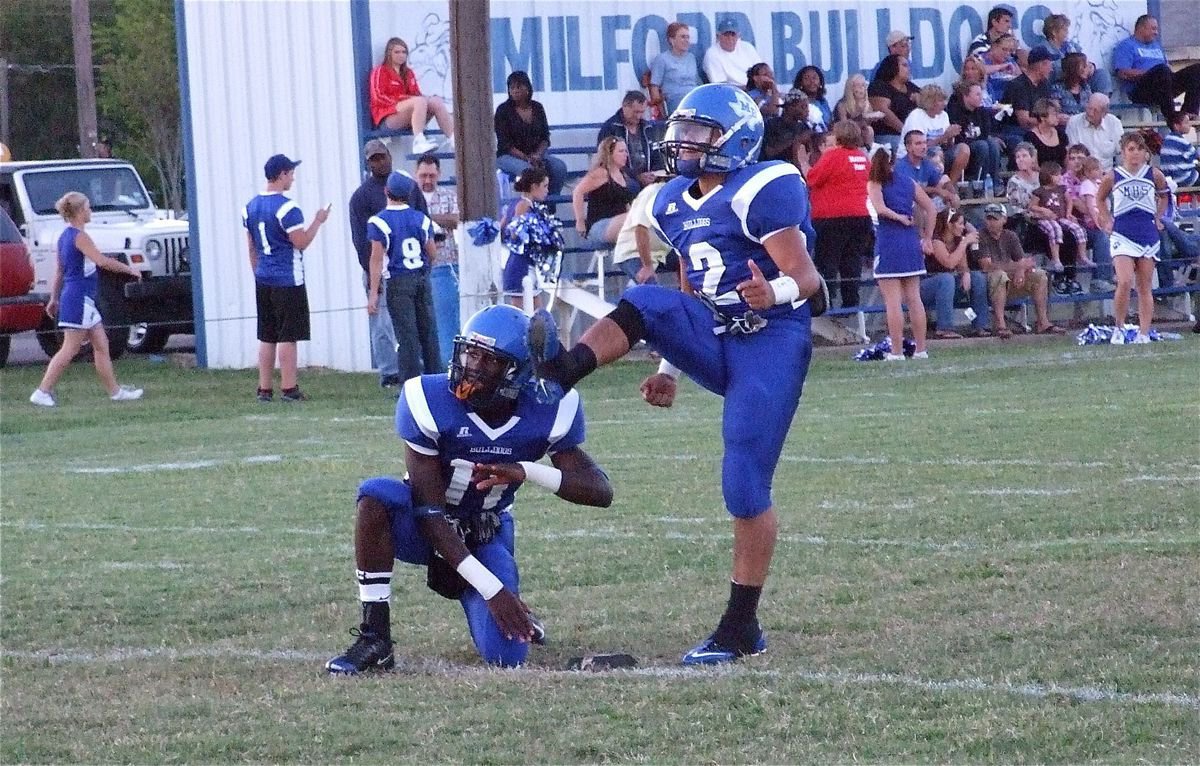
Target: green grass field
{"x": 993, "y": 556}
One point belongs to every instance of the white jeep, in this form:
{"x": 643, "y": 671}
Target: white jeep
{"x": 126, "y": 226}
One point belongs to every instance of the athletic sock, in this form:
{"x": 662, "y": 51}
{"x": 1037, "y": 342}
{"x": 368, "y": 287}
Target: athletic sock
{"x": 374, "y": 591}
{"x": 739, "y": 625}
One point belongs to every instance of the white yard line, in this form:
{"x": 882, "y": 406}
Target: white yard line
{"x": 190, "y": 465}
{"x": 1093, "y": 694}
{"x": 626, "y": 534}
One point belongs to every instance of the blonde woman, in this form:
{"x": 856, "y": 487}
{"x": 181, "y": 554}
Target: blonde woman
{"x": 77, "y": 279}
{"x": 856, "y": 105}
{"x": 930, "y": 118}
{"x": 397, "y": 103}
{"x": 608, "y": 190}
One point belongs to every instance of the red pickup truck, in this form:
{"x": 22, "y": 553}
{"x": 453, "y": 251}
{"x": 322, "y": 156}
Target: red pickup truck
{"x": 20, "y": 308}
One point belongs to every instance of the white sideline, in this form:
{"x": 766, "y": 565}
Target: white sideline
{"x": 188, "y": 466}
{"x": 625, "y": 534}
{"x": 438, "y": 667}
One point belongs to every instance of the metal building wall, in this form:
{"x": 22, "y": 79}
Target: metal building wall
{"x": 268, "y": 76}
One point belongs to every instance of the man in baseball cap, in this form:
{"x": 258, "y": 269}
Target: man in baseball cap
{"x": 1011, "y": 274}
{"x": 727, "y": 60}
{"x": 277, "y": 165}
{"x": 899, "y": 44}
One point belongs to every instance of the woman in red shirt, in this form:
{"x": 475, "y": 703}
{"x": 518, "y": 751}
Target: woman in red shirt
{"x": 397, "y": 103}
{"x": 837, "y": 186}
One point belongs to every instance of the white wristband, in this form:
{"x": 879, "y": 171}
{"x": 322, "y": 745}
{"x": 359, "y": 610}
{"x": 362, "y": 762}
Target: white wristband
{"x": 786, "y": 290}
{"x": 542, "y": 475}
{"x": 480, "y": 577}
{"x": 668, "y": 369}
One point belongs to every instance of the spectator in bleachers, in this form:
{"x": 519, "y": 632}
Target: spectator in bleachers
{"x": 1024, "y": 182}
{"x": 838, "y": 186}
{"x": 760, "y": 84}
{"x": 1047, "y": 135}
{"x": 1096, "y": 129}
{"x": 930, "y": 118}
{"x": 1177, "y": 159}
{"x": 1071, "y": 90}
{"x": 973, "y": 73}
{"x": 675, "y": 71}
{"x": 608, "y": 188}
{"x": 966, "y": 110}
{"x": 397, "y": 103}
{"x": 1022, "y": 93}
{"x": 999, "y": 65}
{"x": 1051, "y": 208}
{"x": 899, "y": 250}
{"x": 892, "y": 94}
{"x": 1082, "y": 179}
{"x": 811, "y": 80}
{"x": 1141, "y": 66}
{"x": 523, "y": 134}
{"x": 1175, "y": 242}
{"x": 1135, "y": 191}
{"x": 1012, "y": 274}
{"x": 855, "y": 105}
{"x": 999, "y": 23}
{"x": 1056, "y": 28}
{"x": 949, "y": 275}
{"x": 640, "y": 253}
{"x": 728, "y": 59}
{"x": 629, "y": 124}
{"x": 916, "y": 165}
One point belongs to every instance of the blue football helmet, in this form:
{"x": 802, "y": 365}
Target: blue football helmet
{"x": 503, "y": 369}
{"x": 722, "y": 123}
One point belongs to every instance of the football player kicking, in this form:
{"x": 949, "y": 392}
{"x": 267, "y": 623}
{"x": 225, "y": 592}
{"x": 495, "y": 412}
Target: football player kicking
{"x": 740, "y": 328}
{"x": 472, "y": 437}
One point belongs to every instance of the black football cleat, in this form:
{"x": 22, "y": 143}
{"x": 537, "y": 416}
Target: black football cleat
{"x": 368, "y": 652}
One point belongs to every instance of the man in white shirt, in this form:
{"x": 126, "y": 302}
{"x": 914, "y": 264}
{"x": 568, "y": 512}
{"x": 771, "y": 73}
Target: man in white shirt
{"x": 728, "y": 59}
{"x": 1096, "y": 129}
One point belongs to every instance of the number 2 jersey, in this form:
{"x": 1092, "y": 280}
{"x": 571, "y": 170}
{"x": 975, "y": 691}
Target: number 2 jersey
{"x": 433, "y": 422}
{"x": 718, "y": 234}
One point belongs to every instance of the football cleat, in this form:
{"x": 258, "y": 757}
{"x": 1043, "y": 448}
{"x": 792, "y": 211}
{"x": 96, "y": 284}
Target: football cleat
{"x": 368, "y": 652}
{"x": 710, "y": 652}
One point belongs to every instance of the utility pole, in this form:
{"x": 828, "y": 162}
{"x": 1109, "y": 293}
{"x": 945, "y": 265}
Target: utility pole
{"x": 85, "y": 81}
{"x": 474, "y": 146}
{"x": 4, "y": 107}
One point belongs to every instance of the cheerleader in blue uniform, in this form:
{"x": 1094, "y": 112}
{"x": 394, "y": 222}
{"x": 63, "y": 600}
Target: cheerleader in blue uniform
{"x": 78, "y": 317}
{"x": 1136, "y": 194}
{"x": 533, "y": 236}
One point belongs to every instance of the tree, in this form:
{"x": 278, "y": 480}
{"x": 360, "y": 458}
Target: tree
{"x": 138, "y": 90}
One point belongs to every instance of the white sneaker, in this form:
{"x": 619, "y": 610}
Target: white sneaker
{"x": 421, "y": 144}
{"x": 920, "y": 355}
{"x": 893, "y": 358}
{"x": 1140, "y": 339}
{"x": 126, "y": 394}
{"x": 41, "y": 398}
{"x": 448, "y": 144}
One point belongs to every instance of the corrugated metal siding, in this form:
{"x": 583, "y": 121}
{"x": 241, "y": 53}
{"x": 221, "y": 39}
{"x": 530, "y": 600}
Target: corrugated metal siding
{"x": 266, "y": 77}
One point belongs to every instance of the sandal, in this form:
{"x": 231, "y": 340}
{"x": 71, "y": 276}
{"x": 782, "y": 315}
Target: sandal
{"x": 1004, "y": 333}
{"x": 946, "y": 335}
{"x": 1051, "y": 329}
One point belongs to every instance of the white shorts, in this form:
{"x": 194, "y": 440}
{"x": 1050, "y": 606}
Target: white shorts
{"x": 1122, "y": 245}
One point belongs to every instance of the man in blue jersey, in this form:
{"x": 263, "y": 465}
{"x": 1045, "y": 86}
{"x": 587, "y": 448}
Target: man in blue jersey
{"x": 402, "y": 250}
{"x": 276, "y": 238}
{"x": 740, "y": 328}
{"x": 472, "y": 437}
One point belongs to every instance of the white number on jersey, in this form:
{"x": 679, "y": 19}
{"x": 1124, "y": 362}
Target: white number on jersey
{"x": 706, "y": 258}
{"x": 262, "y": 234}
{"x": 410, "y": 248}
{"x": 460, "y": 482}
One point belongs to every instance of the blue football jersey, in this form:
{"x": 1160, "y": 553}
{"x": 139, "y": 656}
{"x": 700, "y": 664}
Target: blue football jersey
{"x": 433, "y": 422}
{"x": 403, "y": 232}
{"x": 270, "y": 218}
{"x": 718, "y": 233}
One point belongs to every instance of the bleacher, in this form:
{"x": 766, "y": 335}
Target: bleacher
{"x": 588, "y": 283}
